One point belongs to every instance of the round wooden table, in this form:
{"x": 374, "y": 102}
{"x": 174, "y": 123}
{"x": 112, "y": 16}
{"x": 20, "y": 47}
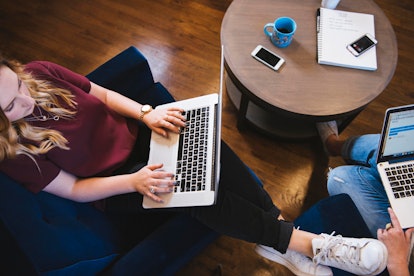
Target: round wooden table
{"x": 287, "y": 103}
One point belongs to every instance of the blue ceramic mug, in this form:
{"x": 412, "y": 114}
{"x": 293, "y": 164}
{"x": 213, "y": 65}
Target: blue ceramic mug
{"x": 282, "y": 31}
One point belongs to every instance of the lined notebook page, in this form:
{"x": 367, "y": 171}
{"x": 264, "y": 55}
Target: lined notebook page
{"x": 339, "y": 28}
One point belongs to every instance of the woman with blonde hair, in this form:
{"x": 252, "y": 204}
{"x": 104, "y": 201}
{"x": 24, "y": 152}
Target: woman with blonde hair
{"x": 80, "y": 141}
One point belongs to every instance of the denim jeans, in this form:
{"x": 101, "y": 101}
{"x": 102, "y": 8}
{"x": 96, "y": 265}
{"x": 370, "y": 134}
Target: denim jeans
{"x": 361, "y": 181}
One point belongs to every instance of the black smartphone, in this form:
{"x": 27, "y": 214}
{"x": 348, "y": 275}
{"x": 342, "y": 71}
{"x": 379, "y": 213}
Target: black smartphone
{"x": 362, "y": 44}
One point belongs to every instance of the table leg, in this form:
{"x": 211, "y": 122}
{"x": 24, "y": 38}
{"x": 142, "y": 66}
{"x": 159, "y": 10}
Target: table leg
{"x": 241, "y": 116}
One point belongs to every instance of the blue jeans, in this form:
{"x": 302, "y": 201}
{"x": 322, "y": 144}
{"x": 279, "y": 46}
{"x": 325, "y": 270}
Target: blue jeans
{"x": 361, "y": 181}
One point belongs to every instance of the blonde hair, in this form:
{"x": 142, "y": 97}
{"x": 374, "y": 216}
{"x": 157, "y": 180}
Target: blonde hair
{"x": 54, "y": 100}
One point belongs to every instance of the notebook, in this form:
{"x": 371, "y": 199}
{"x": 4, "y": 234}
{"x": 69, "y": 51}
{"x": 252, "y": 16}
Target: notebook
{"x": 335, "y": 30}
{"x": 194, "y": 154}
{"x": 395, "y": 161}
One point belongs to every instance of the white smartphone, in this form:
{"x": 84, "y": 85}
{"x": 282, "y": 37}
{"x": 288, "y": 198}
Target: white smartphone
{"x": 362, "y": 44}
{"x": 267, "y": 57}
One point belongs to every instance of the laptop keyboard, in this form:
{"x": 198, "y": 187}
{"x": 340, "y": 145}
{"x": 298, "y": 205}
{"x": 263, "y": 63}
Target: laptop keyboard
{"x": 402, "y": 180}
{"x": 192, "y": 152}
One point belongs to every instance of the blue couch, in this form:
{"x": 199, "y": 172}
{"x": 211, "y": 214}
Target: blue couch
{"x": 41, "y": 234}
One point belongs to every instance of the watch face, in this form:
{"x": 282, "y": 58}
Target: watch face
{"x": 146, "y": 108}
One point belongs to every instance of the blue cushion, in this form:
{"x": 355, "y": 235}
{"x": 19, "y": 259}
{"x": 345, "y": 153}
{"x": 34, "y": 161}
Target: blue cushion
{"x": 56, "y": 233}
{"x": 127, "y": 73}
{"x": 335, "y": 213}
{"x": 167, "y": 249}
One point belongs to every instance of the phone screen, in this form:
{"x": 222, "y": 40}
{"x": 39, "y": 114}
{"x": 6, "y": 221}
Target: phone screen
{"x": 268, "y": 57}
{"x": 362, "y": 44}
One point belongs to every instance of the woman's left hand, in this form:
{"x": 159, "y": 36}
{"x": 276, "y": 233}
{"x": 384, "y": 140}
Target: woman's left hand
{"x": 163, "y": 120}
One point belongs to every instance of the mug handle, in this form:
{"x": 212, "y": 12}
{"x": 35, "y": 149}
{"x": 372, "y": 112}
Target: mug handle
{"x": 265, "y": 29}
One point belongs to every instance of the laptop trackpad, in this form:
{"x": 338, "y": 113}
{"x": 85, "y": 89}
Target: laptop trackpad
{"x": 164, "y": 150}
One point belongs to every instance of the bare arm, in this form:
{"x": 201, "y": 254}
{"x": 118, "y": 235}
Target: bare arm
{"x": 158, "y": 120}
{"x": 69, "y": 186}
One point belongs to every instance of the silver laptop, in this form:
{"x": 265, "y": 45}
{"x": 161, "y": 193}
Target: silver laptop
{"x": 194, "y": 154}
{"x": 395, "y": 161}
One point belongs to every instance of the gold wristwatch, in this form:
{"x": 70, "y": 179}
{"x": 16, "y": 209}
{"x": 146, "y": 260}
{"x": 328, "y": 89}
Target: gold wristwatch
{"x": 146, "y": 108}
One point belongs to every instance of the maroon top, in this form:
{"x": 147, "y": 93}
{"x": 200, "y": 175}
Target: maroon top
{"x": 100, "y": 140}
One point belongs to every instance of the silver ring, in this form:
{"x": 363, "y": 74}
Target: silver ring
{"x": 152, "y": 190}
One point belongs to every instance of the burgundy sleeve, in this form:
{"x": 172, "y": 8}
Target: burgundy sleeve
{"x": 34, "y": 174}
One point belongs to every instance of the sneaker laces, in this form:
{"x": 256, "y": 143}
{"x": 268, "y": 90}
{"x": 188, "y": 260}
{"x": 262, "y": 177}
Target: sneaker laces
{"x": 334, "y": 249}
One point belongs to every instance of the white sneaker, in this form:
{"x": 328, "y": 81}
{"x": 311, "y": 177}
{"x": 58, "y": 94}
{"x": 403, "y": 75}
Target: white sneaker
{"x": 295, "y": 262}
{"x": 358, "y": 256}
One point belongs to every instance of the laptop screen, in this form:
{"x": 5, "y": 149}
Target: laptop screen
{"x": 397, "y": 140}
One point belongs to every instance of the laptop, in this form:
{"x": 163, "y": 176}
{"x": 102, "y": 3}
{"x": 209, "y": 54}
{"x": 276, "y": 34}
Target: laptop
{"x": 395, "y": 161}
{"x": 194, "y": 154}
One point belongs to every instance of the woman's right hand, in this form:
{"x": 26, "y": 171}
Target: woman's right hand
{"x": 163, "y": 120}
{"x": 151, "y": 181}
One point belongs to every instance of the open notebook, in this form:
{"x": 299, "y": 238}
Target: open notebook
{"x": 335, "y": 30}
{"x": 194, "y": 154}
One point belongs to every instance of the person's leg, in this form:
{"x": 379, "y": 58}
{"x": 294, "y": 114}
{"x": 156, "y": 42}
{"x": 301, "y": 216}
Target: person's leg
{"x": 365, "y": 190}
{"x": 358, "y": 150}
{"x": 355, "y": 255}
{"x": 362, "y": 150}
{"x": 301, "y": 241}
{"x": 361, "y": 180}
{"x": 298, "y": 256}
{"x": 243, "y": 209}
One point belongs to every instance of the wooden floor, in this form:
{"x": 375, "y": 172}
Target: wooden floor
{"x": 181, "y": 39}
